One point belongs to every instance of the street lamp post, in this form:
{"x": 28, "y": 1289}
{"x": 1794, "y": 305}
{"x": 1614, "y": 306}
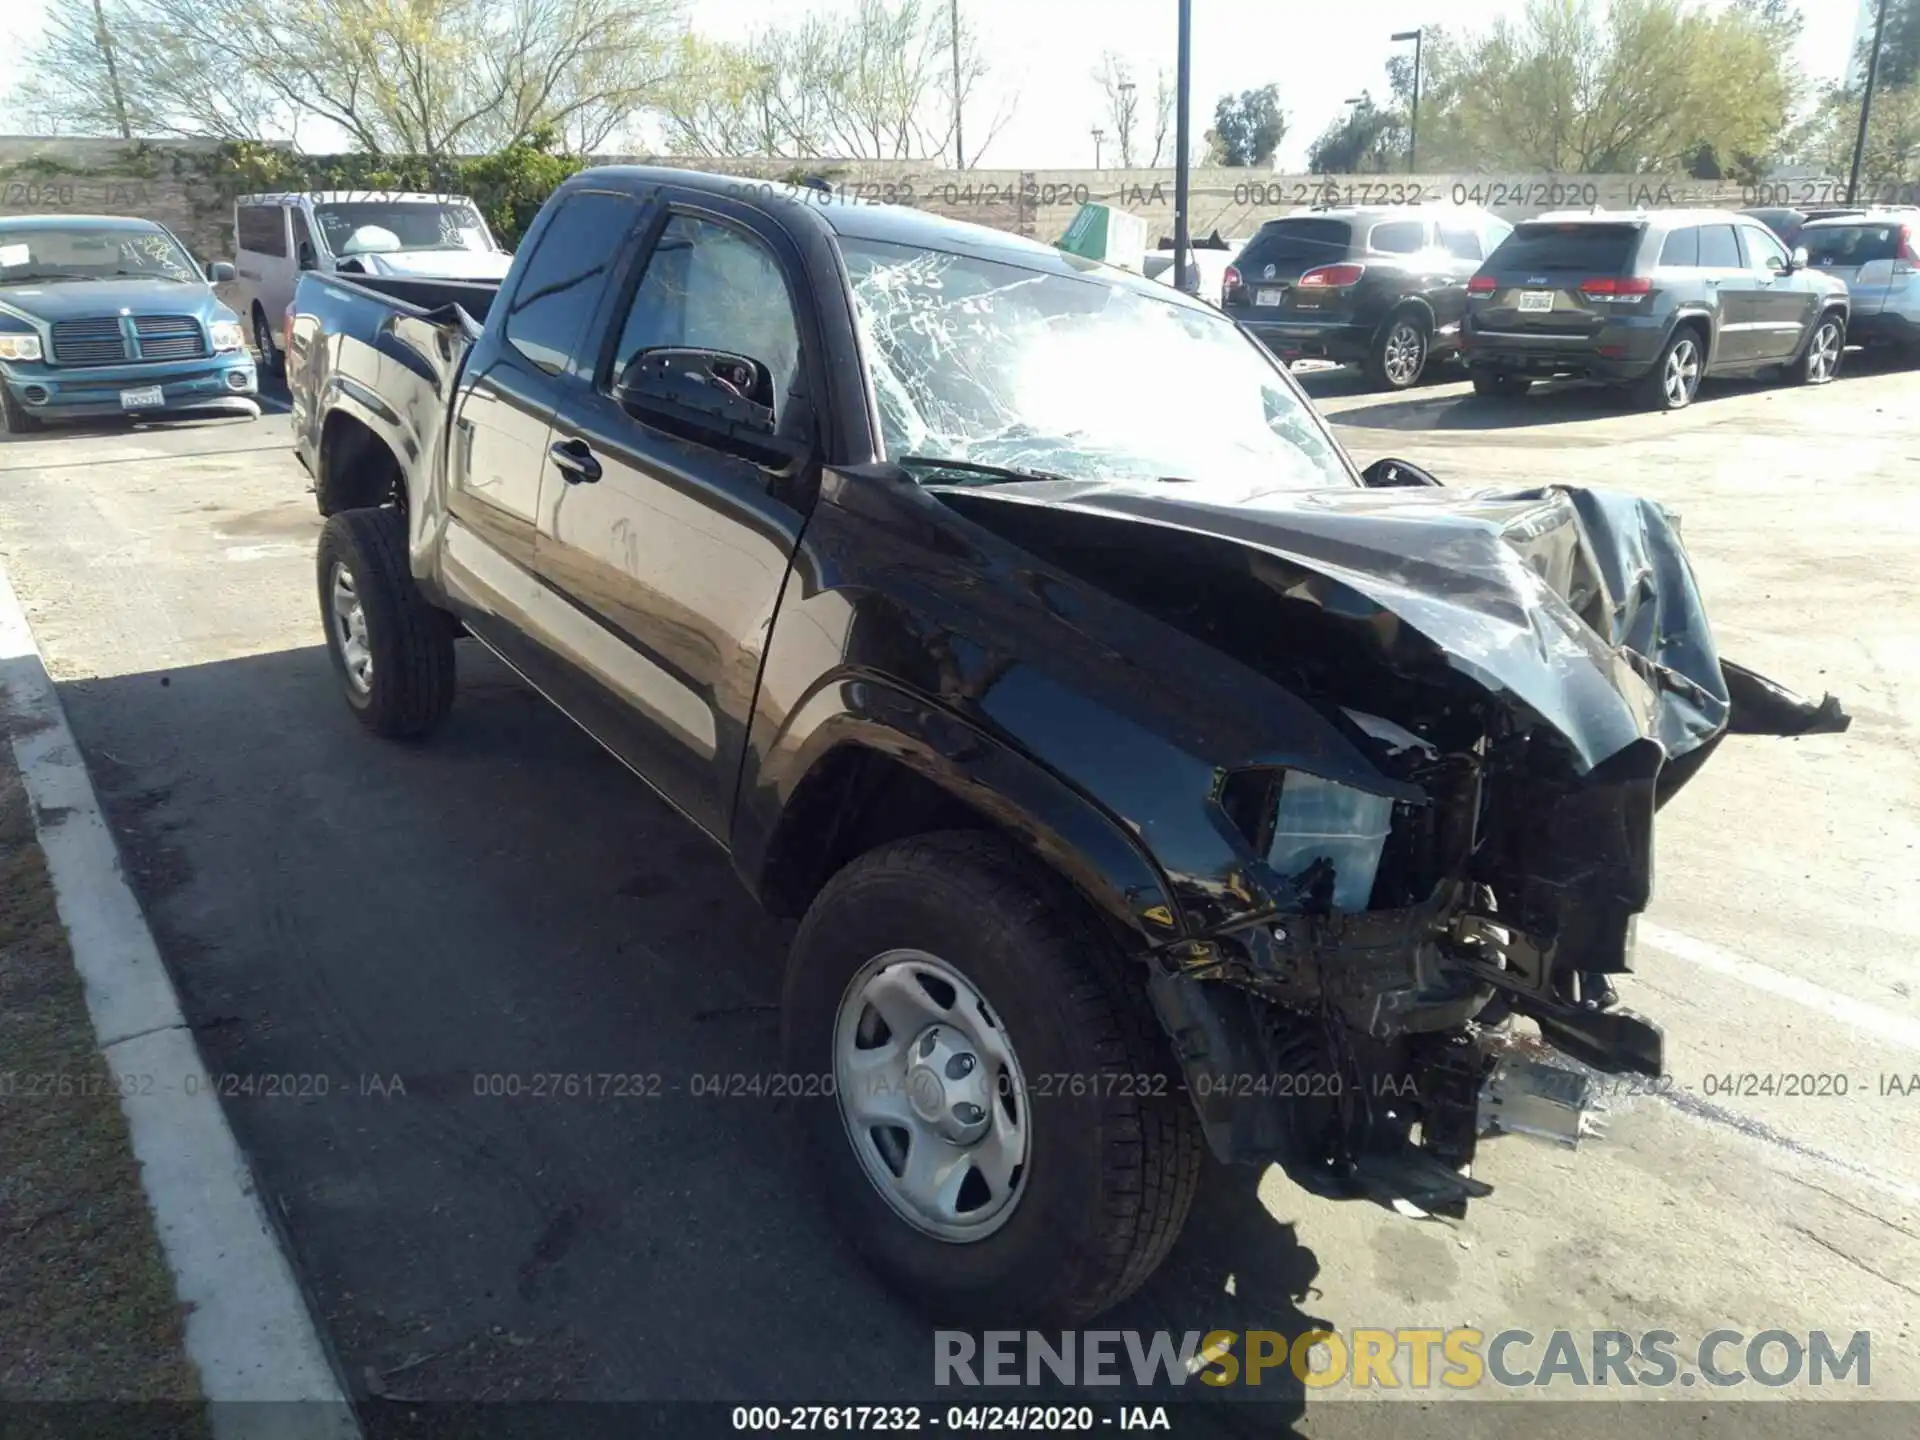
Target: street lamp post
{"x": 1866, "y": 104}
{"x": 1182, "y": 160}
{"x": 1098, "y": 136}
{"x": 1413, "y": 120}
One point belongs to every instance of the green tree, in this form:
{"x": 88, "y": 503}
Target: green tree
{"x": 1370, "y": 140}
{"x": 875, "y": 83}
{"x": 1633, "y": 86}
{"x": 1899, "y": 46}
{"x": 1248, "y": 127}
{"x": 425, "y": 77}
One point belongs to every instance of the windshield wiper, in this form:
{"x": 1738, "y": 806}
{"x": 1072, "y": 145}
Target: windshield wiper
{"x": 1002, "y": 473}
{"x": 46, "y": 275}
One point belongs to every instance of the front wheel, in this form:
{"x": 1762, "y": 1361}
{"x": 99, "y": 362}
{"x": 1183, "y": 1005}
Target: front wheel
{"x": 1399, "y": 353}
{"x": 1825, "y": 346}
{"x": 392, "y": 651}
{"x": 272, "y": 362}
{"x": 999, "y": 1121}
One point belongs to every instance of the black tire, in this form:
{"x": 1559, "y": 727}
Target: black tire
{"x": 1400, "y": 352}
{"x": 1826, "y": 346}
{"x": 1500, "y": 384}
{"x": 1111, "y": 1172}
{"x": 272, "y": 362}
{"x": 15, "y": 419}
{"x": 410, "y": 642}
{"x": 1653, "y": 392}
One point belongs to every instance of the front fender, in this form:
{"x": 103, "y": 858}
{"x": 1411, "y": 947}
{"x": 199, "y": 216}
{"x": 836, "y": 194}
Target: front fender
{"x": 1056, "y": 823}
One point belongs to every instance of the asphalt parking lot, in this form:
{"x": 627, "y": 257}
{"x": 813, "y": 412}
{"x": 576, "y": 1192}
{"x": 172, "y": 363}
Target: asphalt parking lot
{"x": 408, "y": 922}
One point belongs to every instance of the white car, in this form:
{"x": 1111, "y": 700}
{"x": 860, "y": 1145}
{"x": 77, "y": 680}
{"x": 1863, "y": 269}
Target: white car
{"x": 363, "y": 232}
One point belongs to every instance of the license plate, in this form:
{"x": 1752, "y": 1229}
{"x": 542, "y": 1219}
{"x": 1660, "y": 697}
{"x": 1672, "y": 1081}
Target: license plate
{"x": 1536, "y": 300}
{"x": 146, "y": 396}
{"x": 1269, "y": 297}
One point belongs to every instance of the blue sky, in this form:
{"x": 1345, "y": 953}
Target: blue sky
{"x": 1043, "y": 53}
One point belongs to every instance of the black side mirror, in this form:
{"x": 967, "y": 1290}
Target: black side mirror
{"x": 712, "y": 397}
{"x": 305, "y": 258}
{"x": 219, "y": 272}
{"x": 1394, "y": 474}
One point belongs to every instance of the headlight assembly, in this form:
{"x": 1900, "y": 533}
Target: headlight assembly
{"x": 19, "y": 347}
{"x": 1293, "y": 819}
{"x": 227, "y": 335}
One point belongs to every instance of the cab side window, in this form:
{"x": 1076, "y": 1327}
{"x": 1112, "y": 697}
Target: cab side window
{"x": 711, "y": 287}
{"x": 1764, "y": 253}
{"x": 1682, "y": 247}
{"x": 1398, "y": 237}
{"x": 1718, "y": 248}
{"x": 558, "y": 291}
{"x": 1462, "y": 242}
{"x": 262, "y": 229}
{"x": 303, "y": 247}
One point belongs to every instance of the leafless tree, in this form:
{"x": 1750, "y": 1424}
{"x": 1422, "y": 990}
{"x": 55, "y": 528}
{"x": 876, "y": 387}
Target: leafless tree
{"x": 1120, "y": 99}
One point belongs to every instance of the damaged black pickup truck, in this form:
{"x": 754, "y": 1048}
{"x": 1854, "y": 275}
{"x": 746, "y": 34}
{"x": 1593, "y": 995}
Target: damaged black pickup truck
{"x": 1147, "y": 776}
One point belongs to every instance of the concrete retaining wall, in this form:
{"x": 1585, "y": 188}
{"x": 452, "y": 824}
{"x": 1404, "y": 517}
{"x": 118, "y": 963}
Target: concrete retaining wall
{"x": 177, "y": 183}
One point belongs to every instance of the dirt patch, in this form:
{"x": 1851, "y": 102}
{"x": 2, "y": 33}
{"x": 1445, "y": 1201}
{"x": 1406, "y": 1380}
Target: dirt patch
{"x": 87, "y": 1309}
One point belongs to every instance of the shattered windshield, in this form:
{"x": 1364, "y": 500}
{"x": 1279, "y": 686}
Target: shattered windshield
{"x": 999, "y": 365}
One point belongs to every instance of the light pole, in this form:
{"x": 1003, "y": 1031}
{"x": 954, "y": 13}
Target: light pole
{"x": 1098, "y": 136}
{"x": 1182, "y": 160}
{"x": 1413, "y": 121}
{"x": 959, "y": 149}
{"x": 1866, "y": 104}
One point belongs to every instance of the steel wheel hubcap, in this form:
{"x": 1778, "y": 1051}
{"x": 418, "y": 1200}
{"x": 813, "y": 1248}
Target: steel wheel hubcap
{"x": 1826, "y": 352}
{"x": 350, "y": 629}
{"x": 1683, "y": 372}
{"x": 1403, "y": 354}
{"x": 931, "y": 1095}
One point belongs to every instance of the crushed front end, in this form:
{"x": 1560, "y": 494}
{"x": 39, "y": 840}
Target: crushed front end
{"x": 1499, "y": 691}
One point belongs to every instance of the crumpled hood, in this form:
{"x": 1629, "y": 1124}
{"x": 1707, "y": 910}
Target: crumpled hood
{"x": 438, "y": 264}
{"x": 1579, "y": 604}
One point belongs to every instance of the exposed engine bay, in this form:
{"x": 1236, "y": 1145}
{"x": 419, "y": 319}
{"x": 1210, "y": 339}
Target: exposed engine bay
{"x": 1532, "y": 676}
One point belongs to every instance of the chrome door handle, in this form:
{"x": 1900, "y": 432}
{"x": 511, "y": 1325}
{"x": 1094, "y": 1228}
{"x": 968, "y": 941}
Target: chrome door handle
{"x": 575, "y": 461}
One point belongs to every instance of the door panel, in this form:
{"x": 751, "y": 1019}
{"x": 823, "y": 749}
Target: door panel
{"x": 673, "y": 556}
{"x": 1784, "y": 301}
{"x": 1742, "y": 304}
{"x": 516, "y": 378}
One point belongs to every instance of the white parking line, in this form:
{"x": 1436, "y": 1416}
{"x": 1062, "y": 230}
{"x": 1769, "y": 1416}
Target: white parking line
{"x": 1883, "y": 1025}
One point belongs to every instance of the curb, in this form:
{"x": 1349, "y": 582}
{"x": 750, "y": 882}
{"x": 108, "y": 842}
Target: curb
{"x": 248, "y": 1329}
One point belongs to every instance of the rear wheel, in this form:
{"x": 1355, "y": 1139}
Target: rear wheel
{"x": 272, "y": 362}
{"x": 1003, "y": 1134}
{"x": 1500, "y": 383}
{"x": 1399, "y": 352}
{"x": 392, "y": 651}
{"x": 1675, "y": 377}
{"x": 1825, "y": 346}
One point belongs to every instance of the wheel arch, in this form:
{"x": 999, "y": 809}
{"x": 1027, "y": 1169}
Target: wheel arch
{"x": 890, "y": 765}
{"x": 359, "y": 465}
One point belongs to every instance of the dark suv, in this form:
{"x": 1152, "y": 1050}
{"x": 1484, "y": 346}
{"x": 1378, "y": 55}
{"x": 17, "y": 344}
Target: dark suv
{"x": 1653, "y": 301}
{"x": 1381, "y": 288}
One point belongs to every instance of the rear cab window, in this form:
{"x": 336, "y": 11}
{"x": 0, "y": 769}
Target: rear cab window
{"x": 1398, "y": 237}
{"x": 1851, "y": 245}
{"x": 1297, "y": 240}
{"x": 1594, "y": 249}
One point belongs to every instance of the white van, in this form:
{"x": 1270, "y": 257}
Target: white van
{"x": 366, "y": 232}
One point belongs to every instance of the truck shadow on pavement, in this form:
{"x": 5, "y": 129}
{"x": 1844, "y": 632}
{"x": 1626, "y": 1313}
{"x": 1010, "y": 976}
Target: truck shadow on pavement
{"x": 472, "y": 1006}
